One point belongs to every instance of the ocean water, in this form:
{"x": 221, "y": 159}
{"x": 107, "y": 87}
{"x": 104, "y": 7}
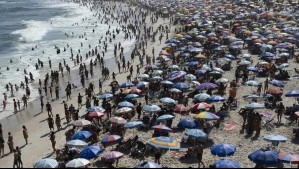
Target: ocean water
{"x": 33, "y": 23}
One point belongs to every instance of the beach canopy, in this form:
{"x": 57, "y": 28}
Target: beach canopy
{"x": 90, "y": 152}
{"x": 252, "y": 83}
{"x": 264, "y": 157}
{"x": 196, "y": 134}
{"x": 46, "y": 163}
{"x": 289, "y": 159}
{"x": 77, "y": 163}
{"x": 187, "y": 123}
{"x": 226, "y": 164}
{"x": 110, "y": 140}
{"x": 223, "y": 150}
{"x": 77, "y": 144}
{"x": 181, "y": 86}
{"x": 277, "y": 83}
{"x": 148, "y": 165}
{"x": 111, "y": 156}
{"x": 151, "y": 109}
{"x": 81, "y": 135}
{"x": 124, "y": 110}
{"x": 81, "y": 123}
{"x": 164, "y": 143}
{"x": 133, "y": 124}
{"x": 207, "y": 116}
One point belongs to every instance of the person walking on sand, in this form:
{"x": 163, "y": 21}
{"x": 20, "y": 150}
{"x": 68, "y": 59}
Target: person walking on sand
{"x": 58, "y": 122}
{"x": 15, "y": 106}
{"x": 19, "y": 157}
{"x": 4, "y": 105}
{"x": 16, "y": 157}
{"x": 19, "y": 105}
{"x": 1, "y": 146}
{"x": 49, "y": 109}
{"x": 53, "y": 141}
{"x": 25, "y": 134}
{"x": 51, "y": 123}
{"x": 10, "y": 142}
{"x": 25, "y": 101}
{"x": 199, "y": 155}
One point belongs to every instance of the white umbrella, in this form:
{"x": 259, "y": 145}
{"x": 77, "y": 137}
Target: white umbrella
{"x": 190, "y": 77}
{"x": 221, "y": 80}
{"x": 77, "y": 143}
{"x": 218, "y": 70}
{"x": 118, "y": 120}
{"x": 244, "y": 62}
{"x": 46, "y": 163}
{"x": 255, "y": 106}
{"x": 144, "y": 76}
{"x": 252, "y": 83}
{"x": 77, "y": 163}
{"x": 174, "y": 90}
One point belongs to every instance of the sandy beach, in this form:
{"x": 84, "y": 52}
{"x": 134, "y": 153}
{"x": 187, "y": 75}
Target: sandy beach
{"x": 40, "y": 145}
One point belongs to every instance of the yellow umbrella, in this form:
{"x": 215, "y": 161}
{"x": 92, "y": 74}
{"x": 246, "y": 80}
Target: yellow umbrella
{"x": 200, "y": 56}
{"x": 178, "y": 36}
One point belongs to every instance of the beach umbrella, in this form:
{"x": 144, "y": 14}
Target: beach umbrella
{"x": 151, "y": 109}
{"x": 276, "y": 83}
{"x": 81, "y": 135}
{"x": 133, "y": 124}
{"x": 274, "y": 91}
{"x": 118, "y": 120}
{"x": 165, "y": 117}
{"x": 142, "y": 85}
{"x": 221, "y": 80}
{"x": 289, "y": 159}
{"x": 206, "y": 68}
{"x": 77, "y": 144}
{"x": 181, "y": 86}
{"x": 200, "y": 72}
{"x": 252, "y": 69}
{"x": 106, "y": 96}
{"x": 191, "y": 64}
{"x": 206, "y": 86}
{"x": 201, "y": 97}
{"x": 143, "y": 76}
{"x": 166, "y": 82}
{"x": 135, "y": 91}
{"x": 195, "y": 83}
{"x": 168, "y": 101}
{"x": 164, "y": 143}
{"x": 267, "y": 55}
{"x": 124, "y": 110}
{"x": 195, "y": 50}
{"x": 90, "y": 152}
{"x": 275, "y": 138}
{"x": 176, "y": 75}
{"x": 131, "y": 96}
{"x": 207, "y": 116}
{"x": 95, "y": 114}
{"x": 245, "y": 56}
{"x": 95, "y": 109}
{"x": 111, "y": 156}
{"x": 252, "y": 83}
{"x": 187, "y": 123}
{"x": 252, "y": 97}
{"x": 157, "y": 78}
{"x": 125, "y": 104}
{"x": 181, "y": 109}
{"x": 229, "y": 56}
{"x": 81, "y": 123}
{"x": 148, "y": 165}
{"x": 110, "y": 140}
{"x": 157, "y": 72}
{"x": 263, "y": 157}
{"x": 226, "y": 164}
{"x": 244, "y": 63}
{"x": 201, "y": 106}
{"x": 223, "y": 150}
{"x": 46, "y": 163}
{"x": 77, "y": 163}
{"x": 127, "y": 84}
{"x": 174, "y": 90}
{"x": 215, "y": 99}
{"x": 255, "y": 106}
{"x": 284, "y": 65}
{"x": 292, "y": 93}
{"x": 184, "y": 55}
{"x": 196, "y": 134}
{"x": 190, "y": 77}
{"x": 218, "y": 70}
{"x": 161, "y": 128}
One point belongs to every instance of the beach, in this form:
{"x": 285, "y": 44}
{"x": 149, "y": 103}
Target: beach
{"x": 39, "y": 145}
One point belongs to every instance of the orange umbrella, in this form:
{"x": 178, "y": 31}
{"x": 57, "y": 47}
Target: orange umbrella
{"x": 274, "y": 91}
{"x": 272, "y": 42}
{"x": 200, "y": 56}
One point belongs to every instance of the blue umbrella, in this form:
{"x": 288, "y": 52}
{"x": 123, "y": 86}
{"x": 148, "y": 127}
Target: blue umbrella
{"x": 176, "y": 75}
{"x": 264, "y": 157}
{"x": 201, "y": 97}
{"x": 223, "y": 150}
{"x": 106, "y": 96}
{"x": 181, "y": 86}
{"x": 215, "y": 45}
{"x": 125, "y": 104}
{"x": 190, "y": 64}
{"x": 277, "y": 83}
{"x": 127, "y": 84}
{"x": 81, "y": 135}
{"x": 131, "y": 96}
{"x": 184, "y": 55}
{"x": 292, "y": 93}
{"x": 165, "y": 117}
{"x": 253, "y": 69}
{"x": 206, "y": 86}
{"x": 187, "y": 123}
{"x": 90, "y": 152}
{"x": 77, "y": 143}
{"x": 172, "y": 41}
{"x": 231, "y": 57}
{"x": 141, "y": 85}
{"x": 95, "y": 109}
{"x": 196, "y": 134}
{"x": 172, "y": 44}
{"x": 206, "y": 68}
{"x": 267, "y": 55}
{"x": 226, "y": 164}
{"x": 133, "y": 124}
{"x": 151, "y": 108}
{"x": 168, "y": 101}
{"x": 235, "y": 48}
{"x": 195, "y": 50}
{"x": 217, "y": 49}
{"x": 181, "y": 49}
{"x": 215, "y": 99}
{"x": 200, "y": 72}
{"x": 166, "y": 82}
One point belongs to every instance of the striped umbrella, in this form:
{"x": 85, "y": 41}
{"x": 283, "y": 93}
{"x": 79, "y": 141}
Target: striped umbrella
{"x": 118, "y": 120}
{"x": 201, "y": 106}
{"x": 81, "y": 135}
{"x": 110, "y": 140}
{"x": 111, "y": 156}
{"x": 90, "y": 152}
{"x": 164, "y": 143}
{"x": 289, "y": 159}
{"x": 81, "y": 123}
{"x": 77, "y": 143}
{"x": 161, "y": 128}
{"x": 207, "y": 116}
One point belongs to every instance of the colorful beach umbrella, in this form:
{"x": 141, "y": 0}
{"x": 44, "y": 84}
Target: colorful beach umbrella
{"x": 201, "y": 106}
{"x": 90, "y": 152}
{"x": 77, "y": 163}
{"x": 81, "y": 123}
{"x": 207, "y": 116}
{"x": 206, "y": 86}
{"x": 264, "y": 157}
{"x": 226, "y": 164}
{"x": 223, "y": 150}
{"x": 81, "y": 135}
{"x": 289, "y": 159}
{"x": 110, "y": 140}
{"x": 46, "y": 163}
{"x": 164, "y": 143}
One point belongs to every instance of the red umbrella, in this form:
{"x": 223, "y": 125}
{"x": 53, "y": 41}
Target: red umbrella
{"x": 95, "y": 114}
{"x": 181, "y": 109}
{"x": 135, "y": 91}
{"x": 274, "y": 91}
{"x": 213, "y": 39}
{"x": 201, "y": 106}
